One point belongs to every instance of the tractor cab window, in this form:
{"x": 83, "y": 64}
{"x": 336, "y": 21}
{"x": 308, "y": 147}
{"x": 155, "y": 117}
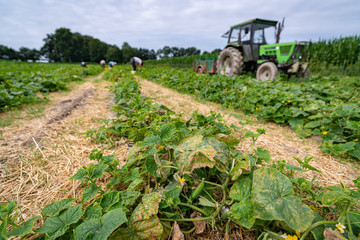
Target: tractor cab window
{"x": 245, "y": 34}
{"x": 234, "y": 36}
{"x": 264, "y": 34}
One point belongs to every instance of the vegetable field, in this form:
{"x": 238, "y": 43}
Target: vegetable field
{"x": 325, "y": 106}
{"x": 21, "y": 83}
{"x": 185, "y": 178}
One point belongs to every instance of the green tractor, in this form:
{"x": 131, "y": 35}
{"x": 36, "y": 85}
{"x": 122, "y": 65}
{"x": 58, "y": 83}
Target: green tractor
{"x": 254, "y": 46}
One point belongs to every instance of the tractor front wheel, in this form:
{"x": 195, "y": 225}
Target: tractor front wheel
{"x": 267, "y": 71}
{"x": 305, "y": 74}
{"x": 230, "y": 62}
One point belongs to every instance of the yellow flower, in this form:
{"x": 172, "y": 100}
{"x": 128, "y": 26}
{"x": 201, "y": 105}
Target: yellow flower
{"x": 289, "y": 101}
{"x": 340, "y": 227}
{"x": 356, "y": 140}
{"x": 225, "y": 89}
{"x": 256, "y": 108}
{"x": 282, "y": 101}
{"x": 289, "y": 237}
{"x": 182, "y": 180}
{"x": 325, "y": 132}
{"x": 314, "y": 208}
{"x": 300, "y": 109}
{"x": 297, "y": 233}
{"x": 161, "y": 147}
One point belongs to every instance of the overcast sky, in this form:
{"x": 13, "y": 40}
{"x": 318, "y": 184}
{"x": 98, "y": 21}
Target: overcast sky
{"x": 152, "y": 24}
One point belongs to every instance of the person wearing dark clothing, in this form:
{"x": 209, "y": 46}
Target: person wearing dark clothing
{"x": 135, "y": 61}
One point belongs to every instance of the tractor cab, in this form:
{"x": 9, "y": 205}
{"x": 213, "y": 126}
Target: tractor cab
{"x": 250, "y": 35}
{"x": 254, "y": 46}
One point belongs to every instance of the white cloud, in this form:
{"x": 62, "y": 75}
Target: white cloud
{"x": 153, "y": 24}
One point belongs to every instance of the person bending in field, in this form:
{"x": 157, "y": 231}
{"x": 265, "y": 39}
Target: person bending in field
{"x": 136, "y": 62}
{"x": 102, "y": 63}
{"x": 111, "y": 64}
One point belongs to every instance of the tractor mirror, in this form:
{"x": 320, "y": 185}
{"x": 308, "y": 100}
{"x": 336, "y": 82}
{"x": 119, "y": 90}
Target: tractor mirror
{"x": 246, "y": 30}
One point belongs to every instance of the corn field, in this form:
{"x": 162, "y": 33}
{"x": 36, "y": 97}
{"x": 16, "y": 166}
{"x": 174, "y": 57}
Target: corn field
{"x": 336, "y": 51}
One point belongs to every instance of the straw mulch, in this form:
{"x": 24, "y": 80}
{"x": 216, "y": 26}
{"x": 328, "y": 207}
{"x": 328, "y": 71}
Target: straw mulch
{"x": 38, "y": 156}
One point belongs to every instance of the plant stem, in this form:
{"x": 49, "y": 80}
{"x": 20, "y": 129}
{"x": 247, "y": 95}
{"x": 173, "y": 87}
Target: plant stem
{"x": 348, "y": 222}
{"x": 316, "y": 225}
{"x": 189, "y": 231}
{"x": 211, "y": 183}
{"x": 185, "y": 219}
{"x": 194, "y": 207}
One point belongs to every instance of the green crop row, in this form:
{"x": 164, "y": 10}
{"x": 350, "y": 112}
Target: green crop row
{"x": 21, "y": 83}
{"x": 325, "y": 106}
{"x": 339, "y": 55}
{"x": 186, "y": 176}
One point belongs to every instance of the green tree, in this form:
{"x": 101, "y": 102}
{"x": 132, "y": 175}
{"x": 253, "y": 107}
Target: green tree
{"x": 7, "y": 53}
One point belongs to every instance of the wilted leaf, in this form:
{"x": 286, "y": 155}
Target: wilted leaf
{"x": 197, "y": 152}
{"x": 150, "y": 229}
{"x": 177, "y": 234}
{"x": 330, "y": 234}
{"x": 274, "y": 199}
{"x": 100, "y": 229}
{"x": 199, "y": 225}
{"x": 146, "y": 209}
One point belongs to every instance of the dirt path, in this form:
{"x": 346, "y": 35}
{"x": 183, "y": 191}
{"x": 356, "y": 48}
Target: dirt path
{"x": 38, "y": 156}
{"x": 282, "y": 143}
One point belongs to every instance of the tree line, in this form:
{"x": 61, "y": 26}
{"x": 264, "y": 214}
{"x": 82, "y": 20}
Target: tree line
{"x": 66, "y": 46}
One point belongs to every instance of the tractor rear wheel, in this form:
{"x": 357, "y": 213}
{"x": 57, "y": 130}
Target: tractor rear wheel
{"x": 267, "y": 71}
{"x": 230, "y": 62}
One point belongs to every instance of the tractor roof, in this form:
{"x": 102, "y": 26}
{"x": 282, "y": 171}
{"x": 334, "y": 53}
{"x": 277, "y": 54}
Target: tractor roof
{"x": 257, "y": 20}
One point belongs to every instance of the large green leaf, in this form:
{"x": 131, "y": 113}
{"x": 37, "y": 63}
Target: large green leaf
{"x": 93, "y": 212}
{"x": 56, "y": 226}
{"x": 198, "y": 152}
{"x": 55, "y": 207}
{"x": 146, "y": 209}
{"x": 89, "y": 192}
{"x": 133, "y": 175}
{"x": 330, "y": 198}
{"x": 150, "y": 229}
{"x": 263, "y": 154}
{"x": 242, "y": 211}
{"x": 128, "y": 197}
{"x": 3, "y": 230}
{"x": 26, "y": 228}
{"x": 100, "y": 229}
{"x": 274, "y": 199}
{"x": 109, "y": 199}
{"x": 167, "y": 132}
